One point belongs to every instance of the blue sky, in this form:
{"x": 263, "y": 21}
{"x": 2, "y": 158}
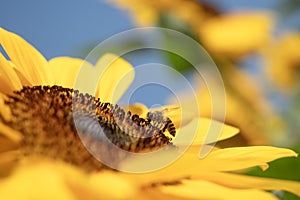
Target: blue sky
{"x": 59, "y": 28}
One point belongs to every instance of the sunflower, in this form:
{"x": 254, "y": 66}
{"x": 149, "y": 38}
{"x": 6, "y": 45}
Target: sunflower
{"x": 42, "y": 156}
{"x": 148, "y": 13}
{"x": 236, "y": 34}
{"x": 223, "y": 34}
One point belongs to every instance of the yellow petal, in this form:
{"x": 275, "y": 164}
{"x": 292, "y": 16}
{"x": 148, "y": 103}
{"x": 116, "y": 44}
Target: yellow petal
{"x": 137, "y": 108}
{"x": 163, "y": 166}
{"x": 87, "y": 78}
{"x": 6, "y": 144}
{"x": 24, "y": 81}
{"x": 101, "y": 185}
{"x": 38, "y": 178}
{"x": 106, "y": 183}
{"x": 179, "y": 116}
{"x": 27, "y": 59}
{"x": 5, "y": 112}
{"x": 116, "y": 76}
{"x": 6, "y": 131}
{"x": 39, "y": 182}
{"x": 108, "y": 80}
{"x": 169, "y": 164}
{"x": 8, "y": 160}
{"x": 237, "y": 33}
{"x": 282, "y": 61}
{"x": 10, "y": 133}
{"x": 238, "y": 158}
{"x": 8, "y": 77}
{"x": 250, "y": 182}
{"x": 205, "y": 130}
{"x": 190, "y": 189}
{"x": 65, "y": 70}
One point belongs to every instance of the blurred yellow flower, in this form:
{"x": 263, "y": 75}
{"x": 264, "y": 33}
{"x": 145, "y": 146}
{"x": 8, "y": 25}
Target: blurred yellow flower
{"x": 55, "y": 166}
{"x": 245, "y": 100}
{"x": 236, "y": 34}
{"x": 232, "y": 35}
{"x": 250, "y": 125}
{"x": 256, "y": 127}
{"x": 282, "y": 60}
{"x": 147, "y": 13}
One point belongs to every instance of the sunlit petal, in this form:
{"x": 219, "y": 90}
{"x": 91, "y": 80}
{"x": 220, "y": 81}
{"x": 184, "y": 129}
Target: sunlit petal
{"x": 205, "y": 130}
{"x": 28, "y": 178}
{"x": 245, "y": 157}
{"x": 26, "y": 58}
{"x": 250, "y": 182}
{"x": 65, "y": 181}
{"x": 180, "y": 117}
{"x": 8, "y": 158}
{"x": 117, "y": 74}
{"x": 65, "y": 70}
{"x": 137, "y": 108}
{"x": 183, "y": 166}
{"x": 236, "y": 33}
{"x": 8, "y": 77}
{"x": 5, "y": 112}
{"x": 201, "y": 189}
{"x": 218, "y": 160}
{"x": 24, "y": 81}
{"x": 99, "y": 182}
{"x": 10, "y": 133}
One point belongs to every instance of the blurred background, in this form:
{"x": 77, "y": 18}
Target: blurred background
{"x": 255, "y": 45}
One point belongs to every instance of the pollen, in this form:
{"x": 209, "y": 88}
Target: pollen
{"x": 59, "y": 123}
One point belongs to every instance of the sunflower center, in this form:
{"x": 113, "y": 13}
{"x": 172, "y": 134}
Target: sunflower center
{"x": 60, "y": 123}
